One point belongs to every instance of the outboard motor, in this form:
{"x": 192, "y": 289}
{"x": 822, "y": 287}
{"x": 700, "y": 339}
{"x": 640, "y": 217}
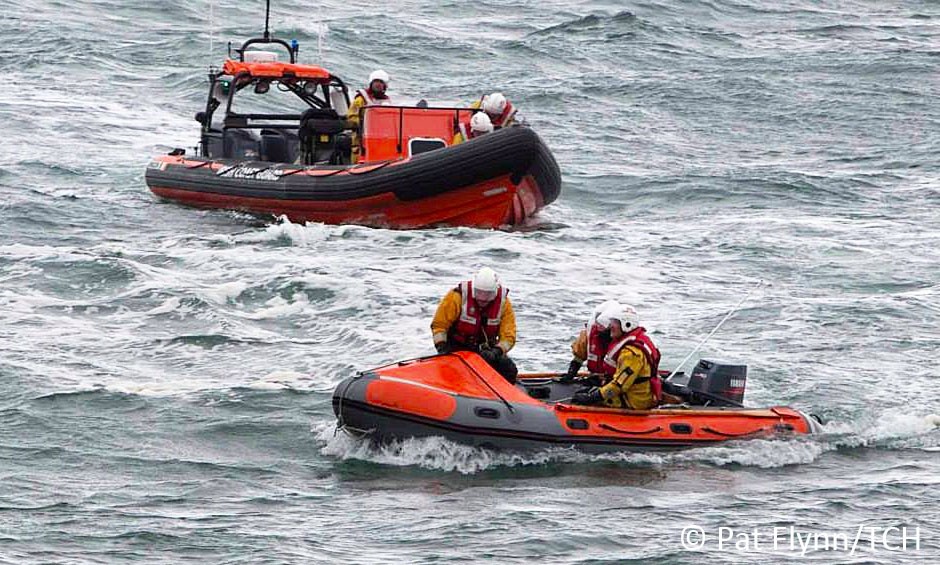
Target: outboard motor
{"x": 712, "y": 383}
{"x": 723, "y": 383}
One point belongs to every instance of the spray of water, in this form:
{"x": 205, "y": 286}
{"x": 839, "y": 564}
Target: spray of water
{"x": 889, "y": 431}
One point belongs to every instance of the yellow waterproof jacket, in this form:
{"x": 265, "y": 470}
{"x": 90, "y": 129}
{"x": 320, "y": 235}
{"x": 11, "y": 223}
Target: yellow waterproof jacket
{"x": 458, "y": 139}
{"x": 352, "y": 116}
{"x": 579, "y": 347}
{"x": 448, "y": 311}
{"x": 630, "y": 387}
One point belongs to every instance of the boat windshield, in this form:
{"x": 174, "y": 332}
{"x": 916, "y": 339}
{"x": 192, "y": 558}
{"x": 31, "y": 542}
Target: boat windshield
{"x": 267, "y": 97}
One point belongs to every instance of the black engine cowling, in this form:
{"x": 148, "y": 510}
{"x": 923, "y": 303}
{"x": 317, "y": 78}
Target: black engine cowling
{"x": 711, "y": 383}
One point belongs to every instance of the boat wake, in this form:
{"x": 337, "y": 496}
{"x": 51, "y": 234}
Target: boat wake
{"x": 889, "y": 431}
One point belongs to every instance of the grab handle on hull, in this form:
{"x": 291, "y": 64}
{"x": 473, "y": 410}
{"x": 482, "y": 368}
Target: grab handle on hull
{"x": 490, "y": 413}
{"x": 725, "y": 434}
{"x": 608, "y": 427}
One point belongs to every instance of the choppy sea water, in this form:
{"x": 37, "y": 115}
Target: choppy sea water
{"x": 166, "y": 372}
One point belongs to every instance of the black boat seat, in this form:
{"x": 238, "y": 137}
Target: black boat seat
{"x": 293, "y": 144}
{"x": 318, "y": 133}
{"x": 323, "y": 121}
{"x": 214, "y": 147}
{"x": 240, "y": 144}
{"x": 275, "y": 146}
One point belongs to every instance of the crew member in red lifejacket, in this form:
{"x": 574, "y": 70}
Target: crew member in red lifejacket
{"x": 480, "y": 124}
{"x": 635, "y": 384}
{"x": 477, "y": 316}
{"x": 501, "y": 111}
{"x": 591, "y": 346}
{"x": 374, "y": 95}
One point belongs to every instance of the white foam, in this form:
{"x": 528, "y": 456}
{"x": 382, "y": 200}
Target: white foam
{"x": 757, "y": 453}
{"x": 23, "y": 251}
{"x": 884, "y": 428}
{"x": 169, "y": 305}
{"x": 152, "y": 388}
{"x": 277, "y": 307}
{"x": 303, "y": 235}
{"x": 438, "y": 453}
{"x": 434, "y": 453}
{"x": 222, "y": 293}
{"x": 441, "y": 454}
{"x": 278, "y": 380}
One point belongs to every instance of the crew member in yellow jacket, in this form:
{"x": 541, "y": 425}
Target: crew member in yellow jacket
{"x": 637, "y": 362}
{"x": 477, "y": 316}
{"x": 591, "y": 346}
{"x": 374, "y": 95}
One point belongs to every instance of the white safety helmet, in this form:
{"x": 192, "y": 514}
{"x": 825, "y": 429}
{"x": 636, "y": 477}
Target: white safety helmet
{"x": 378, "y": 75}
{"x": 494, "y": 104}
{"x": 485, "y": 285}
{"x": 481, "y": 123}
{"x": 626, "y": 315}
{"x": 600, "y": 315}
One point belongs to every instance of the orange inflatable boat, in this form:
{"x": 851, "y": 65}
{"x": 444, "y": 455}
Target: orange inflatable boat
{"x": 460, "y": 397}
{"x": 275, "y": 140}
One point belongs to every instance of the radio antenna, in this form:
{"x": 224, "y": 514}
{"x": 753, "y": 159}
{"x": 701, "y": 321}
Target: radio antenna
{"x": 711, "y": 333}
{"x": 267, "y": 17}
{"x": 211, "y": 28}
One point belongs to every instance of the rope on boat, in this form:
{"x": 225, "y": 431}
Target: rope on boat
{"x": 340, "y": 420}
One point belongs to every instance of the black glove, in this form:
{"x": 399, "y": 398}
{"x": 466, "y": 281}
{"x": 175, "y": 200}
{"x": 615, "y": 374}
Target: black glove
{"x": 442, "y": 347}
{"x": 491, "y": 354}
{"x": 593, "y": 379}
{"x": 572, "y": 372}
{"x": 587, "y": 397}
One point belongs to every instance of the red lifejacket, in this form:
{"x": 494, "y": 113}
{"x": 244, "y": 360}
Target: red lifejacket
{"x": 638, "y": 338}
{"x": 509, "y": 112}
{"x": 475, "y": 325}
{"x": 597, "y": 346}
{"x": 467, "y": 132}
{"x": 371, "y": 100}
